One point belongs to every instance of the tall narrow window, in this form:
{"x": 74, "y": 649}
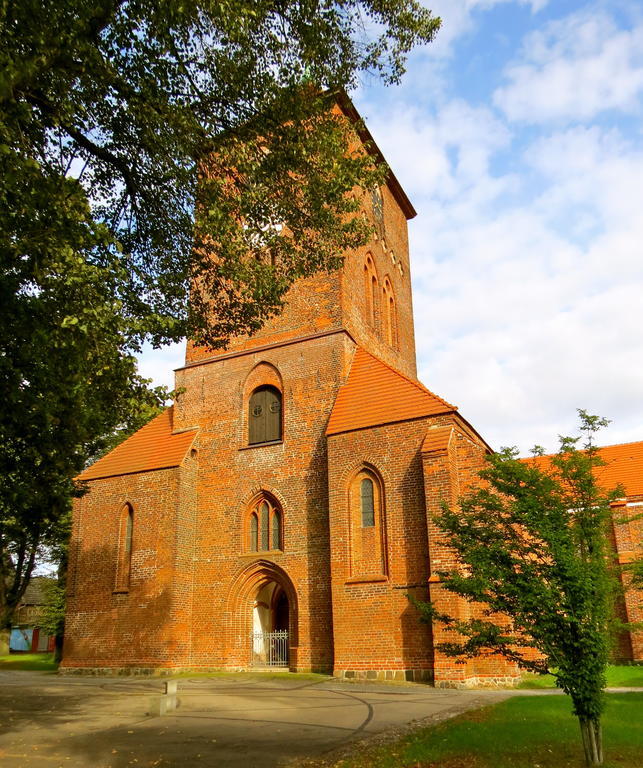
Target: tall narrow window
{"x": 367, "y": 539}
{"x": 374, "y": 297}
{"x": 371, "y": 291}
{"x": 124, "y": 564}
{"x": 254, "y": 532}
{"x": 367, "y": 499}
{"x": 265, "y": 526}
{"x": 390, "y": 317}
{"x": 264, "y": 417}
{"x": 392, "y": 322}
{"x": 129, "y": 528}
{"x": 378, "y": 210}
{"x": 368, "y": 296}
{"x": 276, "y": 529}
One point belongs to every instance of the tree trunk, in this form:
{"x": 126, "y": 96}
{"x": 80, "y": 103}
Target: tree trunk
{"x": 58, "y": 649}
{"x": 5, "y": 635}
{"x": 591, "y": 733}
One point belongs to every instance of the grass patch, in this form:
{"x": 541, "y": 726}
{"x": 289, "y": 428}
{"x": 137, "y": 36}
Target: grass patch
{"x": 42, "y": 662}
{"x": 521, "y": 732}
{"x": 618, "y": 676}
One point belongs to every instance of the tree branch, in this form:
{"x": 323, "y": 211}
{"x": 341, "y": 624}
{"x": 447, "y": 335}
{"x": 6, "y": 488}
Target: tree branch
{"x": 101, "y": 153}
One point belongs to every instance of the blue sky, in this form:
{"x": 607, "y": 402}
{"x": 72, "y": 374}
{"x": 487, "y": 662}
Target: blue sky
{"x": 518, "y": 135}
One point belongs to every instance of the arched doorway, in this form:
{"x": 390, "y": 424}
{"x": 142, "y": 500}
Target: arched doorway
{"x": 263, "y": 618}
{"x": 281, "y": 610}
{"x": 270, "y": 626}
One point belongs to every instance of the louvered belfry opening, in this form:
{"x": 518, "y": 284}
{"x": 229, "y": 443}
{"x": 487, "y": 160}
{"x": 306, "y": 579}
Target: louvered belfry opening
{"x": 264, "y": 417}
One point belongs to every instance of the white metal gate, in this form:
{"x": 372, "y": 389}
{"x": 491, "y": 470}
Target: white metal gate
{"x": 269, "y": 649}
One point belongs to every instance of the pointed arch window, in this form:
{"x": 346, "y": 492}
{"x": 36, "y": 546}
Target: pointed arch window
{"x": 264, "y": 513}
{"x": 125, "y": 540}
{"x": 367, "y": 526}
{"x": 390, "y": 314}
{"x": 371, "y": 291}
{"x": 276, "y": 529}
{"x": 367, "y": 499}
{"x": 265, "y": 416}
{"x": 265, "y": 526}
{"x": 378, "y": 210}
{"x": 254, "y": 532}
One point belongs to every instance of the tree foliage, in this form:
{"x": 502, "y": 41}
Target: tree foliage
{"x": 120, "y": 103}
{"x": 149, "y": 148}
{"x": 532, "y": 554}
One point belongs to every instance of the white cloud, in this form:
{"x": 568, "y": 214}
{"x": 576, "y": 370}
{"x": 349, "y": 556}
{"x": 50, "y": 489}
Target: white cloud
{"x": 526, "y": 281}
{"x": 458, "y": 19}
{"x": 574, "y": 69}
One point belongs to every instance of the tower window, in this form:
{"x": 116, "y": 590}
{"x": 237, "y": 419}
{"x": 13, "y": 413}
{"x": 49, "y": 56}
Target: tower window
{"x": 371, "y": 291}
{"x": 390, "y": 314}
{"x": 378, "y": 211}
{"x": 264, "y": 417}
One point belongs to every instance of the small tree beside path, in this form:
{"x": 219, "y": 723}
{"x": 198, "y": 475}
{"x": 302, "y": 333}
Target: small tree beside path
{"x": 532, "y": 557}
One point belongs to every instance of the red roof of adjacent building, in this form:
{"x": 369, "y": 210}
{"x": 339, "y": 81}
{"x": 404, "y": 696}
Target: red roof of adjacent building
{"x": 623, "y": 466}
{"x": 154, "y": 446}
{"x": 375, "y": 394}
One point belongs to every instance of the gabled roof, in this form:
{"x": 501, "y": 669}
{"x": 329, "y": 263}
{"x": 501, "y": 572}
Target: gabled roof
{"x": 35, "y": 591}
{"x": 623, "y": 466}
{"x": 152, "y": 447}
{"x": 375, "y": 394}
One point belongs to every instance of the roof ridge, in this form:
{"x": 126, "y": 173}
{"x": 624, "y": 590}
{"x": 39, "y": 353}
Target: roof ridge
{"x": 619, "y": 445}
{"x": 582, "y": 450}
{"x": 415, "y": 383}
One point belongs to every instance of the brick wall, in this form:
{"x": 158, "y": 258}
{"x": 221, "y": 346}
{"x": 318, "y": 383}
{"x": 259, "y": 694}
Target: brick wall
{"x": 375, "y": 625}
{"x": 105, "y": 626}
{"x": 331, "y": 301}
{"x": 627, "y": 535}
{"x": 390, "y": 253}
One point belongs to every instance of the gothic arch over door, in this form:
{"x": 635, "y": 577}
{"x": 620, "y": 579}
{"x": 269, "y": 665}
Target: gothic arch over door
{"x": 262, "y": 592}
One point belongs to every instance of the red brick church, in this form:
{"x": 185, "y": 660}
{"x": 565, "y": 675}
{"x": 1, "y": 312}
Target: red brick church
{"x": 281, "y": 510}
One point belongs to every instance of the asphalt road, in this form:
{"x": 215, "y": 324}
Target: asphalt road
{"x": 46, "y": 720}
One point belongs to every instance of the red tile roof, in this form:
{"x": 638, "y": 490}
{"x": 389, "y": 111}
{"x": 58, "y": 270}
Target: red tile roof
{"x": 375, "y": 393}
{"x": 152, "y": 447}
{"x": 623, "y": 465}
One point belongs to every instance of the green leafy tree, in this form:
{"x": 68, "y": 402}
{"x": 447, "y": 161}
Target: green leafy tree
{"x": 52, "y": 614}
{"x": 532, "y": 557}
{"x": 149, "y": 150}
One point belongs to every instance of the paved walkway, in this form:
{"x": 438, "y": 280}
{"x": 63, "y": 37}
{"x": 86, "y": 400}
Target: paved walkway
{"x": 239, "y": 722}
